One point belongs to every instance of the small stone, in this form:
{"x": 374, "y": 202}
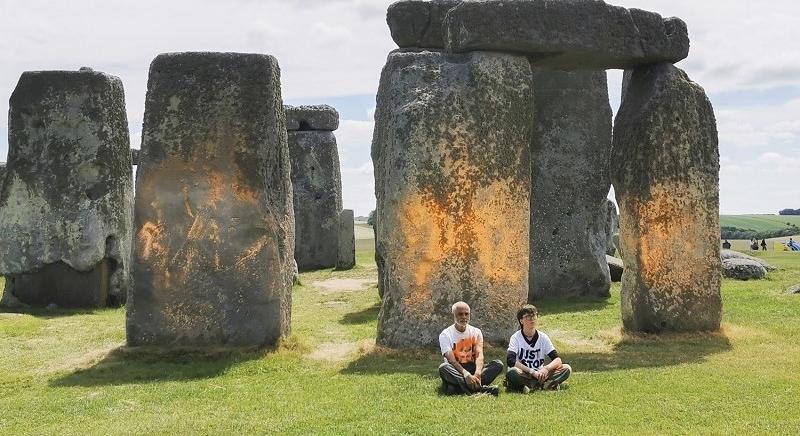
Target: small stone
{"x": 615, "y": 268}
{"x": 416, "y": 23}
{"x": 316, "y": 117}
{"x": 794, "y": 289}
{"x": 743, "y": 269}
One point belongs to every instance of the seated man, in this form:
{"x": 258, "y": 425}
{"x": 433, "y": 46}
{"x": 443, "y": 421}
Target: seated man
{"x": 526, "y": 351}
{"x": 462, "y": 347}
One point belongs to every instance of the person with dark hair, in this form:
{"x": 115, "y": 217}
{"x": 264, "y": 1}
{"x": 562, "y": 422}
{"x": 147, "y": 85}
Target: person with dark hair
{"x": 764, "y": 244}
{"x": 726, "y": 245}
{"x": 526, "y": 353}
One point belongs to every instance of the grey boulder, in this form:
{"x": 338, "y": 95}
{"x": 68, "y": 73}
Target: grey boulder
{"x": 743, "y": 269}
{"x": 346, "y": 258}
{"x": 731, "y": 254}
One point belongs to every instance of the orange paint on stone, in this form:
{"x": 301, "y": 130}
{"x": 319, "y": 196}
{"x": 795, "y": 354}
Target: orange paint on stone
{"x": 487, "y": 239}
{"x": 670, "y": 233}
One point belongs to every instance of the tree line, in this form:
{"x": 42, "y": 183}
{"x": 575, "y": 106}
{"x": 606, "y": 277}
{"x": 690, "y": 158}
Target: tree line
{"x": 789, "y": 212}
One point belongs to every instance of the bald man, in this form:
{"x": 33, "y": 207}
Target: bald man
{"x": 463, "y": 371}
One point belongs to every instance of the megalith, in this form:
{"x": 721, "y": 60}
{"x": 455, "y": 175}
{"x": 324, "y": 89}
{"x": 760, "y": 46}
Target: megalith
{"x": 570, "y": 179}
{"x": 575, "y": 34}
{"x": 346, "y": 257}
{"x": 611, "y": 219}
{"x": 666, "y": 178}
{"x": 418, "y": 23}
{"x": 316, "y": 183}
{"x": 214, "y": 221}
{"x": 66, "y": 204}
{"x": 452, "y": 183}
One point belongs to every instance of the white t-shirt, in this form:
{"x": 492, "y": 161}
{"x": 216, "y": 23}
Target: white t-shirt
{"x": 462, "y": 344}
{"x": 531, "y": 355}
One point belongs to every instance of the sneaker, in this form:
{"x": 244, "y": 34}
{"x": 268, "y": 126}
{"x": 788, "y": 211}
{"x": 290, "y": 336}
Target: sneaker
{"x": 526, "y": 390}
{"x": 551, "y": 385}
{"x": 494, "y": 390}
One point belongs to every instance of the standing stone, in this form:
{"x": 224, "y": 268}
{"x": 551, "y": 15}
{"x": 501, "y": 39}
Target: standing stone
{"x": 2, "y": 175}
{"x": 611, "y": 219}
{"x": 667, "y": 185}
{"x": 214, "y": 222}
{"x": 317, "y": 187}
{"x": 66, "y": 204}
{"x": 452, "y": 182}
{"x": 566, "y": 34}
{"x": 347, "y": 241}
{"x": 570, "y": 180}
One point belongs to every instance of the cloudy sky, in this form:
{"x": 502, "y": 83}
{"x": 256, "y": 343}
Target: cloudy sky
{"x": 743, "y": 52}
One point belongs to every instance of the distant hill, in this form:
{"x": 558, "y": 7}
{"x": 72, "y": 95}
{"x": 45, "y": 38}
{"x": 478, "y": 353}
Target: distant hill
{"x": 759, "y": 223}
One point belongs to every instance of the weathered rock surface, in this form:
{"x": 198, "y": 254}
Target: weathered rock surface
{"x": 2, "y": 175}
{"x": 317, "y": 187}
{"x": 743, "y": 269}
{"x": 314, "y": 117}
{"x": 134, "y": 156}
{"x": 346, "y": 258}
{"x": 567, "y": 34}
{"x": 214, "y": 221}
{"x": 612, "y": 226}
{"x": 615, "y": 268}
{"x": 417, "y": 23}
{"x": 666, "y": 181}
{"x": 452, "y": 181}
{"x": 66, "y": 204}
{"x": 793, "y": 289}
{"x": 570, "y": 180}
{"x": 731, "y": 254}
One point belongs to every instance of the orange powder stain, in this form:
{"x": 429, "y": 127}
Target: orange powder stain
{"x": 673, "y": 248}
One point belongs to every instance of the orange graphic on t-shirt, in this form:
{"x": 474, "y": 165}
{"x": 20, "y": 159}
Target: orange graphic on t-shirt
{"x": 464, "y": 350}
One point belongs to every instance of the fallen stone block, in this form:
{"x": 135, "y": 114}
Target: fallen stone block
{"x": 743, "y": 269}
{"x": 615, "y": 268}
{"x": 731, "y": 254}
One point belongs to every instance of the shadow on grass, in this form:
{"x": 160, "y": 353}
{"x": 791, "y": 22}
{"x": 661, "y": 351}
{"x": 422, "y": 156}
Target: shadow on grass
{"x": 648, "y": 351}
{"x": 44, "y": 313}
{"x": 126, "y": 365}
{"x": 547, "y": 307}
{"x": 633, "y": 351}
{"x": 392, "y": 361}
{"x": 362, "y": 316}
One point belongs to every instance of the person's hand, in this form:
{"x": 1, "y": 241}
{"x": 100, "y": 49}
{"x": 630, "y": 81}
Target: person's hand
{"x": 542, "y": 374}
{"x": 473, "y": 382}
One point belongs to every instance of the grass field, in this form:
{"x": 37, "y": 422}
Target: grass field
{"x": 759, "y": 223}
{"x": 68, "y": 372}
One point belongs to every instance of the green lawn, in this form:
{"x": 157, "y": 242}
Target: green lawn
{"x": 67, "y": 372}
{"x": 759, "y": 223}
